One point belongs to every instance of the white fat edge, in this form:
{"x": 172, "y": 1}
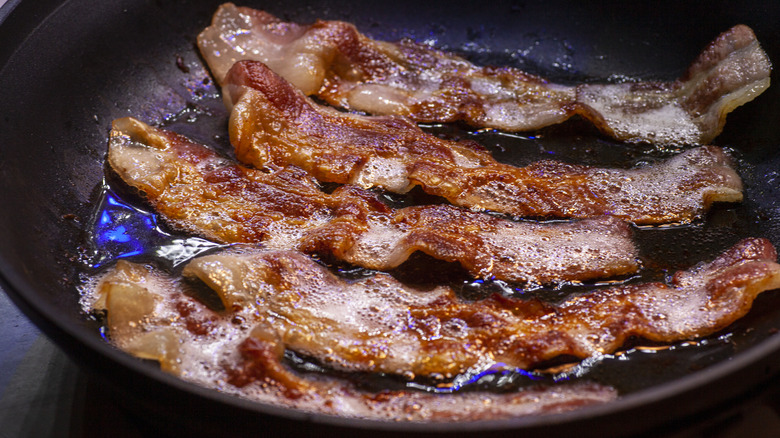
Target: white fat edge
{"x": 743, "y": 64}
{"x": 490, "y": 87}
{"x": 379, "y": 99}
{"x": 731, "y": 101}
{"x": 465, "y": 160}
{"x": 650, "y": 185}
{"x": 394, "y": 95}
{"x": 137, "y": 163}
{"x": 524, "y": 243}
{"x": 679, "y": 310}
{"x": 511, "y": 115}
{"x": 666, "y": 123}
{"x": 658, "y": 184}
{"x": 510, "y": 108}
{"x": 388, "y": 173}
{"x": 558, "y": 247}
{"x": 427, "y": 82}
{"x": 234, "y": 37}
{"x": 380, "y": 246}
{"x": 374, "y": 306}
{"x": 493, "y": 89}
{"x": 287, "y": 234}
{"x": 688, "y": 307}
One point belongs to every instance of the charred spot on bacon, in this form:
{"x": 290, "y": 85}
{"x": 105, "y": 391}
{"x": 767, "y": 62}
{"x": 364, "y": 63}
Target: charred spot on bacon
{"x": 333, "y": 60}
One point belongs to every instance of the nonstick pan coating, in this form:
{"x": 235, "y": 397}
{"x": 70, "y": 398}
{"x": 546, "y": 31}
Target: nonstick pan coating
{"x": 68, "y": 68}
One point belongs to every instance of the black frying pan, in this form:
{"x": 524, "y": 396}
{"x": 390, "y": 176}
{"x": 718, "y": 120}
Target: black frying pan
{"x": 67, "y": 68}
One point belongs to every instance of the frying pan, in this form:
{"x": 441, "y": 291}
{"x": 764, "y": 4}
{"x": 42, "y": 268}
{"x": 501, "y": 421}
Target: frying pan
{"x": 68, "y": 68}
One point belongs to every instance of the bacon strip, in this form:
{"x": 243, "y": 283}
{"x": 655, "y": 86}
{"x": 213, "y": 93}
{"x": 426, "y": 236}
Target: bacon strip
{"x": 273, "y": 123}
{"x": 198, "y": 191}
{"x": 345, "y": 68}
{"x": 153, "y": 316}
{"x": 379, "y": 325}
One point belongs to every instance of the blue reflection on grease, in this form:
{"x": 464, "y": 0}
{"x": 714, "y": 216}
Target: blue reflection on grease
{"x": 498, "y": 374}
{"x": 121, "y": 230}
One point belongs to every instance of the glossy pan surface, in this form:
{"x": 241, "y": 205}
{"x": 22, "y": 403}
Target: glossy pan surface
{"x": 67, "y": 69}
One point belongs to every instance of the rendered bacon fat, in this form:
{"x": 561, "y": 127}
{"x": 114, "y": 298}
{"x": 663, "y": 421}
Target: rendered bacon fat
{"x": 272, "y": 123}
{"x": 155, "y": 316}
{"x": 345, "y": 68}
{"x": 198, "y": 191}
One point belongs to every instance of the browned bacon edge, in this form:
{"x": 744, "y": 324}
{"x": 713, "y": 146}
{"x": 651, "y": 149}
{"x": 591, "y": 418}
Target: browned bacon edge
{"x": 346, "y": 68}
{"x": 273, "y": 123}
{"x": 197, "y": 191}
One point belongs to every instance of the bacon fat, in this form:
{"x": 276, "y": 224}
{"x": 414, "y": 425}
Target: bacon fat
{"x": 197, "y": 191}
{"x": 347, "y": 69}
{"x": 273, "y": 123}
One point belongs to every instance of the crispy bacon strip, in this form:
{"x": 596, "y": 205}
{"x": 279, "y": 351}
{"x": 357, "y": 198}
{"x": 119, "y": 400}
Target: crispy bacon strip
{"x": 273, "y": 123}
{"x": 345, "y": 68}
{"x": 211, "y": 196}
{"x": 154, "y": 316}
{"x": 379, "y": 325}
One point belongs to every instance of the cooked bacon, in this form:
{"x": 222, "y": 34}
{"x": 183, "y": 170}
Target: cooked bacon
{"x": 209, "y": 348}
{"x": 345, "y": 68}
{"x": 196, "y": 190}
{"x": 379, "y": 325}
{"x": 273, "y": 123}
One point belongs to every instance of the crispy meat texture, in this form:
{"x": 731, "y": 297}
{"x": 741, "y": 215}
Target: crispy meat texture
{"x": 273, "y": 123}
{"x": 198, "y": 191}
{"x": 333, "y": 60}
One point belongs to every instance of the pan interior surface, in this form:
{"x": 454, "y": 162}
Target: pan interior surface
{"x": 70, "y": 68}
